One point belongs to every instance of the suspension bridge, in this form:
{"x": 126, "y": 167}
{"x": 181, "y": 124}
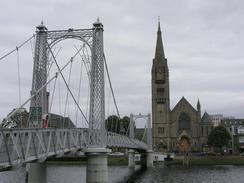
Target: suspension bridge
{"x": 56, "y": 97}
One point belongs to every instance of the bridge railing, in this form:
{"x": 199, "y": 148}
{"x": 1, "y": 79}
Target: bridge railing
{"x": 18, "y": 146}
{"x": 117, "y": 140}
{"x": 24, "y": 145}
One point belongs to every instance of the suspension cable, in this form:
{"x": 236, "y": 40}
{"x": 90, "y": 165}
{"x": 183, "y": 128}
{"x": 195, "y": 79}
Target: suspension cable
{"x": 39, "y": 90}
{"x": 67, "y": 93}
{"x": 17, "y": 47}
{"x": 144, "y": 133}
{"x": 54, "y": 87}
{"x": 59, "y": 100}
{"x": 86, "y": 61}
{"x": 18, "y": 69}
{"x": 51, "y": 62}
{"x": 87, "y": 69}
{"x": 32, "y": 49}
{"x": 110, "y": 84}
{"x": 87, "y": 100}
{"x": 109, "y": 93}
{"x": 79, "y": 88}
{"x": 67, "y": 83}
{"x": 51, "y": 103}
{"x": 112, "y": 91}
{"x": 19, "y": 88}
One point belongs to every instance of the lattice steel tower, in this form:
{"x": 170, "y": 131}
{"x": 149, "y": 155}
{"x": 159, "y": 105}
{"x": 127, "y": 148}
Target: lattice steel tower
{"x": 93, "y": 38}
{"x": 39, "y": 103}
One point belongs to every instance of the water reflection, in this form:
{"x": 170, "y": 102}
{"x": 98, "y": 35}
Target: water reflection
{"x": 158, "y": 174}
{"x": 65, "y": 174}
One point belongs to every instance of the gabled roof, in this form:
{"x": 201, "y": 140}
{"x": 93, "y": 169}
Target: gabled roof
{"x": 206, "y": 118}
{"x": 182, "y": 101}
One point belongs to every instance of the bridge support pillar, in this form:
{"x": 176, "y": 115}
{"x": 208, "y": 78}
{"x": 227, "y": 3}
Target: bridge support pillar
{"x": 97, "y": 165}
{"x": 147, "y": 159}
{"x": 131, "y": 160}
{"x": 36, "y": 173}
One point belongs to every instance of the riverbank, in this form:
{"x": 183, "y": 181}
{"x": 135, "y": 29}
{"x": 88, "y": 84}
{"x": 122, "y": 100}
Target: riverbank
{"x": 112, "y": 160}
{"x": 210, "y": 161}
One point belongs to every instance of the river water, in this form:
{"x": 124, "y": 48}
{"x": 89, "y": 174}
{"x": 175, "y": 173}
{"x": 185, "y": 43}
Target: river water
{"x": 203, "y": 174}
{"x": 158, "y": 174}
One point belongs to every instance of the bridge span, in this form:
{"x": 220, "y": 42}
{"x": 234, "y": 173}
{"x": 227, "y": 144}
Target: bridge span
{"x": 20, "y": 146}
{"x": 33, "y": 144}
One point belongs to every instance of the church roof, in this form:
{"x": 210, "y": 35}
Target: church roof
{"x": 206, "y": 117}
{"x": 183, "y": 100}
{"x": 159, "y": 53}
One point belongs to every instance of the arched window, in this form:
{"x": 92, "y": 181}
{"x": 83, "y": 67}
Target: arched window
{"x": 184, "y": 122}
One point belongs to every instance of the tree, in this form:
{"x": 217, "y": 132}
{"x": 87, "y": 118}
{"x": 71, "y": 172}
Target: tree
{"x": 219, "y": 137}
{"x": 114, "y": 124}
{"x": 124, "y": 122}
{"x": 16, "y": 120}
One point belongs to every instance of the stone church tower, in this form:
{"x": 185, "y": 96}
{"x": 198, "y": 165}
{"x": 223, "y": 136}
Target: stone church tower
{"x": 167, "y": 124}
{"x": 160, "y": 95}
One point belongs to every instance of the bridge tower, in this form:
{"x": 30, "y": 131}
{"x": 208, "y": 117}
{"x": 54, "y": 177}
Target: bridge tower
{"x": 97, "y": 168}
{"x": 39, "y": 103}
{"x": 147, "y": 157}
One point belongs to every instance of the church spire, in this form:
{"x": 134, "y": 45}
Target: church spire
{"x": 198, "y": 105}
{"x": 159, "y": 54}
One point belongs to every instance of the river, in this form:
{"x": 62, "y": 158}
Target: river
{"x": 158, "y": 174}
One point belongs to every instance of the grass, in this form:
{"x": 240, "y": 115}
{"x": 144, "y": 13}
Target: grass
{"x": 217, "y": 160}
{"x": 210, "y": 161}
{"x": 117, "y": 160}
{"x": 112, "y": 160}
{"x": 123, "y": 161}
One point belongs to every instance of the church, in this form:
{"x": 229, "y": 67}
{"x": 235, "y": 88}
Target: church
{"x": 168, "y": 124}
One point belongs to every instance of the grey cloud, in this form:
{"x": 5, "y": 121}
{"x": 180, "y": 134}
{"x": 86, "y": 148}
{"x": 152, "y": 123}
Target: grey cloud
{"x": 203, "y": 42}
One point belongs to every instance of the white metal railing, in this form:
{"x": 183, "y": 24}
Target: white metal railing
{"x": 18, "y": 146}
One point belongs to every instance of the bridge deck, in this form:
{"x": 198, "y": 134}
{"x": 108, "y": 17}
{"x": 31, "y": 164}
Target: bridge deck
{"x": 18, "y": 146}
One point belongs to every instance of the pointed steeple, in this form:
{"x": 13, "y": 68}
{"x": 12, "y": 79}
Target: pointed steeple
{"x": 199, "y": 110}
{"x": 159, "y": 53}
{"x": 198, "y": 105}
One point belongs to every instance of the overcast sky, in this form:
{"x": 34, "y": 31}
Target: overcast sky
{"x": 203, "y": 42}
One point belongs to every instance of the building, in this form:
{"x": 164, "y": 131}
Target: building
{"x": 216, "y": 118}
{"x": 168, "y": 124}
{"x": 236, "y": 129}
{"x": 58, "y": 121}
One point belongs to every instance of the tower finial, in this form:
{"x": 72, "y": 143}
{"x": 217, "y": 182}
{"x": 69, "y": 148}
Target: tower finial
{"x": 41, "y": 26}
{"x": 159, "y": 29}
{"x": 159, "y": 44}
{"x": 98, "y": 24}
